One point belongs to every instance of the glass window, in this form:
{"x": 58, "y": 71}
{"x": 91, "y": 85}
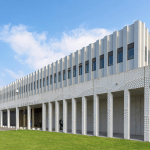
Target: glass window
{"x": 37, "y": 84}
{"x": 94, "y": 64}
{"x": 47, "y": 80}
{"x": 87, "y": 66}
{"x": 74, "y": 71}
{"x": 64, "y": 75}
{"x": 120, "y": 55}
{"x": 145, "y": 53}
{"x": 51, "y": 79}
{"x": 69, "y": 73}
{"x": 31, "y": 86}
{"x": 55, "y": 78}
{"x": 102, "y": 61}
{"x": 59, "y": 77}
{"x": 131, "y": 51}
{"x": 34, "y": 85}
{"x": 43, "y": 82}
{"x": 26, "y": 88}
{"x": 110, "y": 58}
{"x": 40, "y": 83}
{"x": 80, "y": 69}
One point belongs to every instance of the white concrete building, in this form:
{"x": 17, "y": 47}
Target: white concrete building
{"x": 102, "y": 89}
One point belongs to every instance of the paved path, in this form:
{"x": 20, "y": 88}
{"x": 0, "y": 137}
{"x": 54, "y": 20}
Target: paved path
{"x": 6, "y": 129}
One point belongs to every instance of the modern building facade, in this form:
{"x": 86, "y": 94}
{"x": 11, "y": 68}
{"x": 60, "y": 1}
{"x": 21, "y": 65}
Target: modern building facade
{"x": 102, "y": 89}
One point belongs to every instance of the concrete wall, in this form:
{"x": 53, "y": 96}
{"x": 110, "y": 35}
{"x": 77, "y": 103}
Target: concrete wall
{"x": 90, "y": 115}
{"x": 103, "y": 115}
{"x": 69, "y": 116}
{"x": 12, "y": 118}
{"x": 79, "y": 116}
{"x": 20, "y": 118}
{"x": 137, "y": 115}
{"x": 5, "y": 118}
{"x": 134, "y": 33}
{"x": 118, "y": 115}
{"x": 60, "y": 111}
{"x": 53, "y": 116}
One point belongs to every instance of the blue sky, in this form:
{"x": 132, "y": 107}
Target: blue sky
{"x": 36, "y": 33}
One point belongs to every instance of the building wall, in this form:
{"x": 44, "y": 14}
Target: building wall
{"x": 12, "y": 118}
{"x": 103, "y": 115}
{"x": 136, "y": 33}
{"x": 79, "y": 116}
{"x": 53, "y": 116}
{"x": 137, "y": 115}
{"x": 69, "y": 116}
{"x": 5, "y": 118}
{"x": 118, "y": 115}
{"x": 20, "y": 118}
{"x": 90, "y": 115}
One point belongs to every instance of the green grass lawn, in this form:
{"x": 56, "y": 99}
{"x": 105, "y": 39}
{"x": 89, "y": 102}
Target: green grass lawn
{"x": 28, "y": 139}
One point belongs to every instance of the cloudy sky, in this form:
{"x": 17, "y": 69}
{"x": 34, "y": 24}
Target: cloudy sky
{"x": 35, "y": 33}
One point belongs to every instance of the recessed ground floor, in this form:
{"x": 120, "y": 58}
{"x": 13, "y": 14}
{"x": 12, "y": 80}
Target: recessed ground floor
{"x": 116, "y": 114}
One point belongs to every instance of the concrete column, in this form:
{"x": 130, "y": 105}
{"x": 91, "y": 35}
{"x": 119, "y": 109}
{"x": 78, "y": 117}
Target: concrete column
{"x": 44, "y": 117}
{"x": 56, "y": 116}
{"x": 96, "y": 114}
{"x": 77, "y": 66}
{"x": 32, "y": 117}
{"x": 27, "y": 86}
{"x": 35, "y": 78}
{"x": 14, "y": 91}
{"x": 115, "y": 44}
{"x": 32, "y": 84}
{"x": 1, "y": 113}
{"x": 109, "y": 114}
{"x": 84, "y": 115}
{"x": 73, "y": 116}
{"x": 17, "y": 118}
{"x": 61, "y": 69}
{"x": 8, "y": 118}
{"x": 125, "y": 47}
{"x": 146, "y": 106}
{"x": 143, "y": 45}
{"x": 21, "y": 88}
{"x": 52, "y": 73}
{"x": 83, "y": 63}
{"x": 49, "y": 116}
{"x": 24, "y": 119}
{"x": 71, "y": 65}
{"x": 66, "y": 65}
{"x": 48, "y": 77}
{"x": 45, "y": 76}
{"x": 137, "y": 44}
{"x": 146, "y": 46}
{"x": 97, "y": 46}
{"x": 64, "y": 116}
{"x": 90, "y": 47}
{"x": 126, "y": 114}
{"x": 105, "y": 46}
{"x": 56, "y": 68}
{"x": 38, "y": 84}
{"x": 29, "y": 116}
{"x": 41, "y": 80}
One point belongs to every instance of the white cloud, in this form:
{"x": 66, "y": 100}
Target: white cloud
{"x": 3, "y": 74}
{"x": 37, "y": 51}
{"x": 15, "y": 75}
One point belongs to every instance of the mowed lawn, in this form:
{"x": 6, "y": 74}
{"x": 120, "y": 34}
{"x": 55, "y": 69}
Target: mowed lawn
{"x": 28, "y": 139}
